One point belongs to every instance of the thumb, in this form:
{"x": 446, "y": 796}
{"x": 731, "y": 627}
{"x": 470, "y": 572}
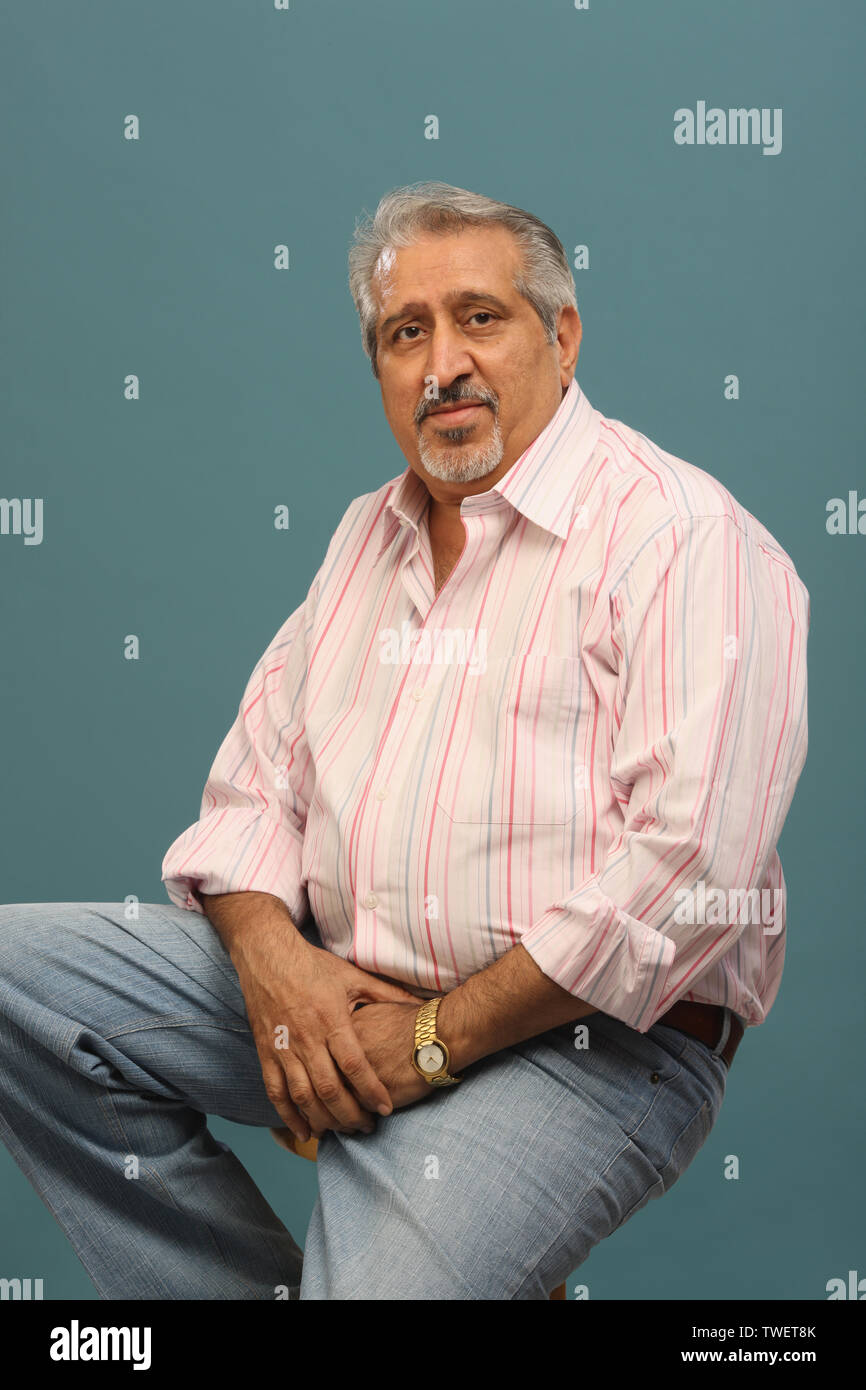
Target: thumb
{"x": 383, "y": 992}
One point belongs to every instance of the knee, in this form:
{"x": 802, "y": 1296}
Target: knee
{"x": 26, "y": 929}
{"x": 37, "y": 938}
{"x": 21, "y": 923}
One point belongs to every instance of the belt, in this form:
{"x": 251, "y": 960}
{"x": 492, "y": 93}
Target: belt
{"x": 705, "y": 1022}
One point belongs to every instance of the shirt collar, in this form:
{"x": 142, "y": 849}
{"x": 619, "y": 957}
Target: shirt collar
{"x": 541, "y": 484}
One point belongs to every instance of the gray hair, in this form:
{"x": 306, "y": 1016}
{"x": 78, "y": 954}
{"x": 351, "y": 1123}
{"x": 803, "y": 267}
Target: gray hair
{"x": 545, "y": 278}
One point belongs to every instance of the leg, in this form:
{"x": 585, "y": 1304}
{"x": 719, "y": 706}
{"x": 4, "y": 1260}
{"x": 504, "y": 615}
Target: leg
{"x": 118, "y": 1037}
{"x": 498, "y": 1188}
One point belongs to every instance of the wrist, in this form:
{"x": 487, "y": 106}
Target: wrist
{"x": 249, "y": 923}
{"x": 449, "y": 1026}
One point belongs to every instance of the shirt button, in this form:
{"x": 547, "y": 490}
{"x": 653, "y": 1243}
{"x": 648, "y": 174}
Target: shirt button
{"x": 371, "y": 900}
{"x": 418, "y": 693}
{"x": 381, "y": 793}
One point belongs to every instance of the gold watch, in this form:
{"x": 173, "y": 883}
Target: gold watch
{"x": 430, "y": 1056}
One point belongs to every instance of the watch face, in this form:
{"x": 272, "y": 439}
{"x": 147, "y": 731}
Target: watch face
{"x": 430, "y": 1058}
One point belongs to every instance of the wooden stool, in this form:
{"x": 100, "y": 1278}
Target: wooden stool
{"x": 287, "y": 1140}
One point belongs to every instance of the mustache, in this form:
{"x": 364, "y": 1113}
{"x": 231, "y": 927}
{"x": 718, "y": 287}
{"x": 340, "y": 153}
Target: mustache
{"x": 446, "y": 398}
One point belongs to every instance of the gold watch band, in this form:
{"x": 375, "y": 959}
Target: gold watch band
{"x": 425, "y": 1034}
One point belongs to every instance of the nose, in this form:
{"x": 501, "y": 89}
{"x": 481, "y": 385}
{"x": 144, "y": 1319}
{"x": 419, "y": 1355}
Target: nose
{"x": 449, "y": 358}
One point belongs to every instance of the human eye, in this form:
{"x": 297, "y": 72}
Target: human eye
{"x": 397, "y": 337}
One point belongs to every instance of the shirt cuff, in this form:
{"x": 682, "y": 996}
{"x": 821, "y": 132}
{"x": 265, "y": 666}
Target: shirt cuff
{"x": 604, "y": 957}
{"x": 236, "y": 851}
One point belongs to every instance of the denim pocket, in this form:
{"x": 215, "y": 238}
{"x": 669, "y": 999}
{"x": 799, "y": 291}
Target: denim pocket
{"x": 631, "y": 1069}
{"x": 658, "y": 1050}
{"x": 688, "y": 1142}
{"x": 702, "y": 1056}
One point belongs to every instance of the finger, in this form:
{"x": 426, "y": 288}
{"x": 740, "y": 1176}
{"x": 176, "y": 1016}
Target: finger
{"x": 304, "y": 1097}
{"x": 356, "y": 1067}
{"x": 382, "y": 992}
{"x": 278, "y": 1094}
{"x": 303, "y": 1092}
{"x": 331, "y": 1090}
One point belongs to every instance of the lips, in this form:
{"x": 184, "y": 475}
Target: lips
{"x": 457, "y": 406}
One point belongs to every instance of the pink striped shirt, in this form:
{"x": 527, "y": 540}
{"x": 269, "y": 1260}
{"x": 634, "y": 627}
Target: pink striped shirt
{"x": 586, "y": 743}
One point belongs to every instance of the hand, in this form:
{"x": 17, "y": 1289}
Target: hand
{"x": 299, "y": 1003}
{"x": 387, "y": 1034}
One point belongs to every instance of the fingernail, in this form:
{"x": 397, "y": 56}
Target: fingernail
{"x": 384, "y": 1109}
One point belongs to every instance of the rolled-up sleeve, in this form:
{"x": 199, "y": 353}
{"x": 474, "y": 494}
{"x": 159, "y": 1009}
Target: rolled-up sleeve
{"x": 709, "y": 739}
{"x": 250, "y": 832}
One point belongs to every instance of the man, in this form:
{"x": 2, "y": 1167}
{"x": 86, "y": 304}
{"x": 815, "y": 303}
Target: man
{"x": 473, "y": 840}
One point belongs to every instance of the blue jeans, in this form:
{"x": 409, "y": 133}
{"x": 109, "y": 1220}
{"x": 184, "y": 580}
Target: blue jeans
{"x": 118, "y": 1038}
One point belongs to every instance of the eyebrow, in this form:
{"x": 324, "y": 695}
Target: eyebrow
{"x": 414, "y": 307}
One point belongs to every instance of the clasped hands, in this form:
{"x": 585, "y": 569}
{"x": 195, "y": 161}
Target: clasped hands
{"x": 327, "y": 1063}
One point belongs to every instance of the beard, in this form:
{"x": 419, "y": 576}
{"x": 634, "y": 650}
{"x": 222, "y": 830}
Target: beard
{"x": 462, "y": 463}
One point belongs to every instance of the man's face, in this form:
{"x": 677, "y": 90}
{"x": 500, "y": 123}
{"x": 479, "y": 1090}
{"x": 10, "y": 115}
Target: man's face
{"x": 448, "y": 310}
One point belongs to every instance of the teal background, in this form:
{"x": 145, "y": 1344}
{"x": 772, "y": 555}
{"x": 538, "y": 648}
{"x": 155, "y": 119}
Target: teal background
{"x": 155, "y": 257}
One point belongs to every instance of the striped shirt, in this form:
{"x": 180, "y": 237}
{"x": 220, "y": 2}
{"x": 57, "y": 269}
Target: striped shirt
{"x": 587, "y": 742}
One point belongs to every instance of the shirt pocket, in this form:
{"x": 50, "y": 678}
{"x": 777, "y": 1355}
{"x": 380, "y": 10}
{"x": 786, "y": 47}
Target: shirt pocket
{"x": 515, "y": 755}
